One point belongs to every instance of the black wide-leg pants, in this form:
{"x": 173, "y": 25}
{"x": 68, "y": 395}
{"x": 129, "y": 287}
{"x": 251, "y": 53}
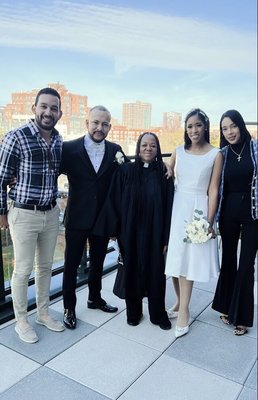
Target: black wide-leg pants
{"x": 156, "y": 303}
{"x": 234, "y": 294}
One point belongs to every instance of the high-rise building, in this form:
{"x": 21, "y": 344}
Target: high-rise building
{"x": 137, "y": 115}
{"x": 172, "y": 121}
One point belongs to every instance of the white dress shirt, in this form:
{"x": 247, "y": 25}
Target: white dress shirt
{"x": 95, "y": 151}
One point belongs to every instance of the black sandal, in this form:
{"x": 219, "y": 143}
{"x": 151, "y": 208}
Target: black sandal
{"x": 224, "y": 319}
{"x": 240, "y": 330}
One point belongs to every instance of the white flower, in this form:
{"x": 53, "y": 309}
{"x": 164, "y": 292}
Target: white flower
{"x": 119, "y": 158}
{"x": 197, "y": 231}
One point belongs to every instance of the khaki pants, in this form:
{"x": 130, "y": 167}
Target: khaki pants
{"x": 34, "y": 235}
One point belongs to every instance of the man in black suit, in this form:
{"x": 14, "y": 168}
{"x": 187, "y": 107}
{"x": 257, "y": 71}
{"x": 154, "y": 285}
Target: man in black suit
{"x": 89, "y": 163}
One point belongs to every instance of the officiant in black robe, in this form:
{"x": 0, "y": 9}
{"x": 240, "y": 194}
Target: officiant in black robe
{"x": 138, "y": 213}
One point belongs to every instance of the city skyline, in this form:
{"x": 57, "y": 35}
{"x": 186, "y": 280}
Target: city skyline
{"x": 175, "y": 55}
{"x": 136, "y": 119}
{"x": 135, "y": 116}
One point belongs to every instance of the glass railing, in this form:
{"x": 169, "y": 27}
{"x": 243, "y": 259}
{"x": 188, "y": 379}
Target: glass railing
{"x": 7, "y": 257}
{"x": 7, "y": 263}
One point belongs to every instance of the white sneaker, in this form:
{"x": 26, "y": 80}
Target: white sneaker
{"x": 171, "y": 313}
{"x": 26, "y": 332}
{"x": 50, "y": 323}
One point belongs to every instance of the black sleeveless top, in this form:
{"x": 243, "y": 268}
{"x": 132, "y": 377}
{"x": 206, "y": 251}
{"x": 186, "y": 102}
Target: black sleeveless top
{"x": 236, "y": 202}
{"x": 238, "y": 174}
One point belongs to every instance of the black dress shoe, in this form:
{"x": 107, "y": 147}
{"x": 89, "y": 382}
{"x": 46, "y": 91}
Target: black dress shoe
{"x": 164, "y": 324}
{"x": 134, "y": 321}
{"x": 69, "y": 319}
{"x": 101, "y": 305}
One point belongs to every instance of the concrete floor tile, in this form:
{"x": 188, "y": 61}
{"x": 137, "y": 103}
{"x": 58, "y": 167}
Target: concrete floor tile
{"x": 98, "y": 317}
{"x": 104, "y": 358}
{"x": 50, "y": 343}
{"x": 145, "y": 333}
{"x": 171, "y": 379}
{"x": 251, "y": 381}
{"x": 212, "y": 317}
{"x": 170, "y": 294}
{"x": 108, "y": 281}
{"x": 14, "y": 367}
{"x": 248, "y": 394}
{"x": 45, "y": 384}
{"x": 200, "y": 299}
{"x": 216, "y": 350}
{"x": 104, "y": 362}
{"x": 207, "y": 286}
{"x": 93, "y": 317}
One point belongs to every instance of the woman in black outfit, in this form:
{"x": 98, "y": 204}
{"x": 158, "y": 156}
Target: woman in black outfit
{"x": 237, "y": 214}
{"x": 138, "y": 213}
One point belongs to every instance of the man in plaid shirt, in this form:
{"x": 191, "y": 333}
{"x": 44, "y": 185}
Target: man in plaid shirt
{"x": 31, "y": 155}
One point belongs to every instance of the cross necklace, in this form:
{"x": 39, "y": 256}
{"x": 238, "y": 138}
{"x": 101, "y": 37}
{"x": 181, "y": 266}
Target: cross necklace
{"x": 238, "y": 155}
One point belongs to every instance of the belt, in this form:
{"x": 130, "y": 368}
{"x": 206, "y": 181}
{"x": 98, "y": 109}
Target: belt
{"x": 35, "y": 207}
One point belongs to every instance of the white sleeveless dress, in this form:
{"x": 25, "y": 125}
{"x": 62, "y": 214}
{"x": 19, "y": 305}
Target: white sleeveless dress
{"x": 195, "y": 261}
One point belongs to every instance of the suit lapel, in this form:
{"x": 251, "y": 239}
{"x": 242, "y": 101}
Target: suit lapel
{"x": 107, "y": 159}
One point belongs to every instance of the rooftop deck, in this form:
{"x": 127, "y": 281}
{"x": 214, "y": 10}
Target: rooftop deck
{"x": 104, "y": 358}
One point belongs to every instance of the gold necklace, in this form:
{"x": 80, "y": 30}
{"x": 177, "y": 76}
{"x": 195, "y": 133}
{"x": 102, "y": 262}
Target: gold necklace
{"x": 238, "y": 155}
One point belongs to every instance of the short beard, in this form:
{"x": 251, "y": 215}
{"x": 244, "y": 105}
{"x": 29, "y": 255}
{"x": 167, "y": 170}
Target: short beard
{"x": 44, "y": 127}
{"x": 98, "y": 141}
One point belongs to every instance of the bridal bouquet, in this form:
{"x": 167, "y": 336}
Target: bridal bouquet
{"x": 197, "y": 231}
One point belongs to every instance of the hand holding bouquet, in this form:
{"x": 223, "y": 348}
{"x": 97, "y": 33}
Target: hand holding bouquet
{"x": 198, "y": 230}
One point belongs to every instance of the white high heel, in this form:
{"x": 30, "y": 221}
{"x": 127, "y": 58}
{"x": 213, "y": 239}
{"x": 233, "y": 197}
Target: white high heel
{"x": 171, "y": 313}
{"x": 181, "y": 331}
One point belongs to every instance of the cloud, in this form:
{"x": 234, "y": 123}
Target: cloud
{"x": 131, "y": 38}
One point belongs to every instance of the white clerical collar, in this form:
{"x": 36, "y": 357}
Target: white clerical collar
{"x": 146, "y": 165}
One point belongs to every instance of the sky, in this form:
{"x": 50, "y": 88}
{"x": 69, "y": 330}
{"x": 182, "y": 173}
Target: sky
{"x": 174, "y": 54}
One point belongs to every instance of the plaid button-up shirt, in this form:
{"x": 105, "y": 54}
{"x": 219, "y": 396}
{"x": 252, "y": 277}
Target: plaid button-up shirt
{"x": 26, "y": 156}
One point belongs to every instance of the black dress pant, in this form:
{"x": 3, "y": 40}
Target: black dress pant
{"x": 234, "y": 293}
{"x": 75, "y": 244}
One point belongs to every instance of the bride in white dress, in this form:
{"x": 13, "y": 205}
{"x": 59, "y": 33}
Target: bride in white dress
{"x": 197, "y": 168}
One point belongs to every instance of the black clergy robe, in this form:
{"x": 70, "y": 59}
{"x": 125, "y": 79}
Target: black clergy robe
{"x": 141, "y": 226}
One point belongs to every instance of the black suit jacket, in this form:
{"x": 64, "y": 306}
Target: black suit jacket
{"x": 87, "y": 189}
